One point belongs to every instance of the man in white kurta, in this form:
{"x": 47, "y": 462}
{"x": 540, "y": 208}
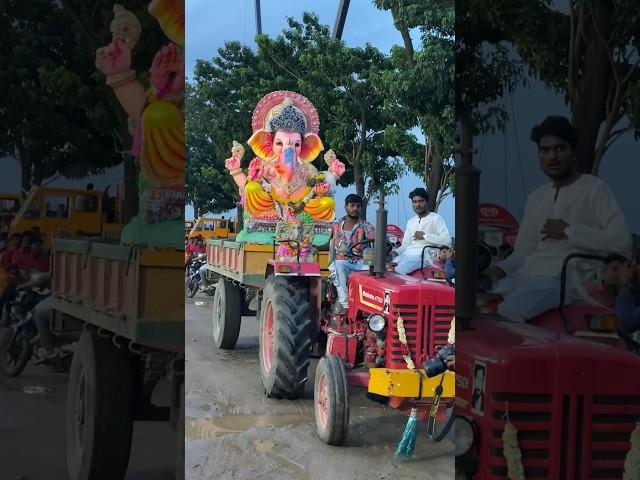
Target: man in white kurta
{"x": 575, "y": 213}
{"x": 426, "y": 228}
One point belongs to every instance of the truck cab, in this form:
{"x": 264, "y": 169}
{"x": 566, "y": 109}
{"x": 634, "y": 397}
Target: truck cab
{"x": 70, "y": 213}
{"x": 213, "y": 228}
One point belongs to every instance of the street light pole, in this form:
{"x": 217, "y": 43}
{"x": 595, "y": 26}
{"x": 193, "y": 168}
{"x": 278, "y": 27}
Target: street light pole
{"x": 341, "y": 17}
{"x": 258, "y": 19}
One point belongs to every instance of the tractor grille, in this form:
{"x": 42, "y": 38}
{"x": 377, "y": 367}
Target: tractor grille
{"x": 425, "y": 326}
{"x": 613, "y": 417}
{"x": 588, "y": 439}
{"x": 531, "y": 414}
{"x": 413, "y": 330}
{"x": 440, "y": 324}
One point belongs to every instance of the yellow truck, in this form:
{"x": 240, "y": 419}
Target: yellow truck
{"x": 70, "y": 213}
{"x": 212, "y": 227}
{"x": 120, "y": 304}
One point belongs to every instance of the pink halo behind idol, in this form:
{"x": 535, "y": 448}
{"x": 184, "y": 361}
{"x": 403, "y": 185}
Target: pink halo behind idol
{"x": 273, "y": 99}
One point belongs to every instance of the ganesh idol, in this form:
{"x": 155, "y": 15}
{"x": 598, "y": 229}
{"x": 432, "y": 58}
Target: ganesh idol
{"x": 281, "y": 184}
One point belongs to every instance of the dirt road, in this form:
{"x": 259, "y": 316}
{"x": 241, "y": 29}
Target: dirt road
{"x": 234, "y": 432}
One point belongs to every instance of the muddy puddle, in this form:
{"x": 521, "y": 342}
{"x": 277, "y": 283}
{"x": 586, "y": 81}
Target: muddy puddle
{"x": 200, "y": 428}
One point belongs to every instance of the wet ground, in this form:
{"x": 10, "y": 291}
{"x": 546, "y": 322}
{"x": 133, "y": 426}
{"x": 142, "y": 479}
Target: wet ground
{"x": 32, "y": 441}
{"x": 234, "y": 432}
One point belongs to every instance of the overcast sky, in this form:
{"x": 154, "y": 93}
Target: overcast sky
{"x": 209, "y": 28}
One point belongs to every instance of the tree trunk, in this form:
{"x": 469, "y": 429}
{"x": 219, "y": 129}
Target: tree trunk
{"x": 25, "y": 168}
{"x": 196, "y": 209}
{"x": 130, "y": 187}
{"x": 588, "y": 100}
{"x": 433, "y": 158}
{"x": 239, "y": 217}
{"x": 358, "y": 174}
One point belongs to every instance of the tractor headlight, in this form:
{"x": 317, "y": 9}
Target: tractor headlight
{"x": 464, "y": 436}
{"x": 376, "y": 322}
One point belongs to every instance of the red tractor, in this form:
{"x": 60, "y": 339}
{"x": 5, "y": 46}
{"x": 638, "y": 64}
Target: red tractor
{"x": 555, "y": 398}
{"x": 361, "y": 347}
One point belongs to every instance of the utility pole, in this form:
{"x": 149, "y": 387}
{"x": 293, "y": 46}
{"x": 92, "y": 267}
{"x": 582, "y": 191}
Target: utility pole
{"x": 341, "y": 17}
{"x": 258, "y": 19}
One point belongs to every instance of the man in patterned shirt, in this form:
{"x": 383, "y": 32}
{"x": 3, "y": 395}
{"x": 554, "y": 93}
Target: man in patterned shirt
{"x": 345, "y": 233}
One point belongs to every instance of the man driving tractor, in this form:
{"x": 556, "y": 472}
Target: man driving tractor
{"x": 345, "y": 233}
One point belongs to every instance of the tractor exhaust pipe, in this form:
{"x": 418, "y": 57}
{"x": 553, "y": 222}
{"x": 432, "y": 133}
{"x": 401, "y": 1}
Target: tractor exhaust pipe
{"x": 380, "y": 263}
{"x": 467, "y": 193}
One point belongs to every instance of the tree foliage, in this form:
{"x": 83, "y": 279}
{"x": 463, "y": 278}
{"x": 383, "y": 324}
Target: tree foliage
{"x": 422, "y": 84}
{"x": 589, "y": 54}
{"x": 60, "y": 118}
{"x": 345, "y": 84}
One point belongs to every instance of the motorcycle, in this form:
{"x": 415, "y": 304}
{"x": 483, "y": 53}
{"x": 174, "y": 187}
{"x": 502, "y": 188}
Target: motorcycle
{"x": 21, "y": 342}
{"x": 194, "y": 283}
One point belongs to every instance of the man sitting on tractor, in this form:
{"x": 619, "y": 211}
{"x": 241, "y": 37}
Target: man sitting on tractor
{"x": 345, "y": 233}
{"x": 574, "y": 213}
{"x": 426, "y": 228}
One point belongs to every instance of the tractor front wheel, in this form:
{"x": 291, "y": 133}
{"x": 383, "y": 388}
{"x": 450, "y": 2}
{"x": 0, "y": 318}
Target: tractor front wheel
{"x": 284, "y": 337}
{"x": 331, "y": 400}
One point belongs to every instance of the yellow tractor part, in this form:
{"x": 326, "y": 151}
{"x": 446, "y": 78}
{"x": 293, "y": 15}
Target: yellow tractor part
{"x": 406, "y": 383}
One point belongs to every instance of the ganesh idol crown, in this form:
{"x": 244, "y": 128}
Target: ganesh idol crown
{"x": 281, "y": 186}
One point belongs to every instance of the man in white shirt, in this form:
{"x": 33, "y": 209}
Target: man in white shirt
{"x": 426, "y": 228}
{"x": 575, "y": 213}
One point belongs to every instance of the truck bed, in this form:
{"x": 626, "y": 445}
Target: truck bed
{"x": 247, "y": 262}
{"x": 133, "y": 292}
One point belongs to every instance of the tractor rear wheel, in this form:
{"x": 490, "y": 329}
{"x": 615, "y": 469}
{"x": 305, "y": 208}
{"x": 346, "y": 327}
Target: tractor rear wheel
{"x": 284, "y": 337}
{"x": 227, "y": 308}
{"x": 331, "y": 400}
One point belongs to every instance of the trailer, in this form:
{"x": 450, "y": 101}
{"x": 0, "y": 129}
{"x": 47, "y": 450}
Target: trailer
{"x": 120, "y": 304}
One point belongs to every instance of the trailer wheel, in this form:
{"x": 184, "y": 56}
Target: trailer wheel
{"x": 99, "y": 410}
{"x": 331, "y": 401}
{"x": 227, "y": 310}
{"x": 284, "y": 337}
{"x": 180, "y": 439}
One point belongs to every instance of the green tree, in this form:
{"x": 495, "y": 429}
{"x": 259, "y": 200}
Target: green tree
{"x": 422, "y": 82}
{"x": 345, "y": 84}
{"x": 588, "y": 54}
{"x": 219, "y": 103}
{"x": 61, "y": 118}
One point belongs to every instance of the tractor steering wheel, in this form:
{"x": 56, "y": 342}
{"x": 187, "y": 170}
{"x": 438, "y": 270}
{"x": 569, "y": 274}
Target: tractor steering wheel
{"x": 367, "y": 241}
